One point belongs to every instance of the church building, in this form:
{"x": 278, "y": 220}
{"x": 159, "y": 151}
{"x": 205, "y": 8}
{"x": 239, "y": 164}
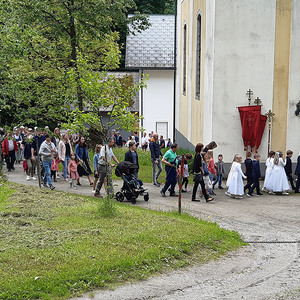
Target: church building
{"x": 237, "y": 60}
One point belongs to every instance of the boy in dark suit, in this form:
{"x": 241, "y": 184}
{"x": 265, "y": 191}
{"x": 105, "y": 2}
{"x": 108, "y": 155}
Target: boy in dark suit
{"x": 255, "y": 176}
{"x": 288, "y": 168}
{"x": 297, "y": 172}
{"x": 248, "y": 171}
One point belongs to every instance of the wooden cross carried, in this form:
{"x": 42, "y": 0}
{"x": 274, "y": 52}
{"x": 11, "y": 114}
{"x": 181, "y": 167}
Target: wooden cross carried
{"x": 270, "y": 116}
{"x": 257, "y": 101}
{"x": 249, "y": 94}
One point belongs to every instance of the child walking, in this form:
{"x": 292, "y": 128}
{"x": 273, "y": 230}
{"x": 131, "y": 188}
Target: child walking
{"x": 278, "y": 181}
{"x": 207, "y": 182}
{"x": 269, "y": 169}
{"x": 255, "y": 176}
{"x": 95, "y": 161}
{"x": 220, "y": 171}
{"x": 212, "y": 170}
{"x": 54, "y": 166}
{"x": 185, "y": 180}
{"x": 248, "y": 172}
{"x": 289, "y": 169}
{"x": 72, "y": 170}
{"x": 235, "y": 179}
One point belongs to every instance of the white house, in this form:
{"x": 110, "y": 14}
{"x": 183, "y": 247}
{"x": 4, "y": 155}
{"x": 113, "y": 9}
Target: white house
{"x": 151, "y": 52}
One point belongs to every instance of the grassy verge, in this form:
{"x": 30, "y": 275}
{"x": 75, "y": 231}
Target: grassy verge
{"x": 54, "y": 245}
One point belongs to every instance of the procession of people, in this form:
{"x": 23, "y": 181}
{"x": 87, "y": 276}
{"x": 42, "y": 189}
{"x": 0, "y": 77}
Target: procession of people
{"x": 41, "y": 153}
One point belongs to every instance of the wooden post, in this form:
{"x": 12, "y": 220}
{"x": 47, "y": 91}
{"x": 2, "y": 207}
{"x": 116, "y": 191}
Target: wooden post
{"x": 180, "y": 184}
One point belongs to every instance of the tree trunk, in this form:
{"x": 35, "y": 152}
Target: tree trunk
{"x": 74, "y": 47}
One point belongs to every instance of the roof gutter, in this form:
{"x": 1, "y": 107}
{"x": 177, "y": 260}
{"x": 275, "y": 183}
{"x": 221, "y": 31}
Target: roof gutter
{"x": 175, "y": 71}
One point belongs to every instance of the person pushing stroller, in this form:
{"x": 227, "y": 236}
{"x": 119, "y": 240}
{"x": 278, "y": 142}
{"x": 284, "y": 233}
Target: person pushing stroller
{"x": 105, "y": 166}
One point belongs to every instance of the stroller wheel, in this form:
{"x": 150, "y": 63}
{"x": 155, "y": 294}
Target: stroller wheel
{"x": 119, "y": 197}
{"x": 146, "y": 197}
{"x": 133, "y": 201}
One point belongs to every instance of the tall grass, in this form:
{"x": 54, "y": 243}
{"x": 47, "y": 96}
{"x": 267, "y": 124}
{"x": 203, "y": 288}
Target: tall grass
{"x": 107, "y": 207}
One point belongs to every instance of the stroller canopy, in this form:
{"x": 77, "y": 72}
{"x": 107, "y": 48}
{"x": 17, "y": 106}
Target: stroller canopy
{"x": 125, "y": 167}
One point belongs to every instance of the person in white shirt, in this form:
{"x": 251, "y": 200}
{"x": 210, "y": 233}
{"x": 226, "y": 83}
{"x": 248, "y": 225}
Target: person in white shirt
{"x": 47, "y": 151}
{"x": 144, "y": 141}
{"x": 105, "y": 166}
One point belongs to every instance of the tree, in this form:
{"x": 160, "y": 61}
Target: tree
{"x": 41, "y": 41}
{"x": 105, "y": 92}
{"x": 156, "y": 7}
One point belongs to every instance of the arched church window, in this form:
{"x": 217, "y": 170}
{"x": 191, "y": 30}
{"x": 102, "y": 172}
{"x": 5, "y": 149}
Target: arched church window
{"x": 184, "y": 58}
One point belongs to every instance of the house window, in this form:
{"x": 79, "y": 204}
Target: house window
{"x": 162, "y": 129}
{"x": 184, "y": 59}
{"x": 198, "y": 58}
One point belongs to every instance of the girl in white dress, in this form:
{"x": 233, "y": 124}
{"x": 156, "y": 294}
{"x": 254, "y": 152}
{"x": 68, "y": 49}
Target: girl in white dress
{"x": 269, "y": 165}
{"x": 235, "y": 179}
{"x": 278, "y": 181}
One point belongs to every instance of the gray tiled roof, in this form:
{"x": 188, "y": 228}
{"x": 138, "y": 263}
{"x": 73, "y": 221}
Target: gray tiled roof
{"x": 154, "y": 47}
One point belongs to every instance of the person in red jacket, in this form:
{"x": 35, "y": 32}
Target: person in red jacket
{"x": 9, "y": 149}
{"x": 211, "y": 169}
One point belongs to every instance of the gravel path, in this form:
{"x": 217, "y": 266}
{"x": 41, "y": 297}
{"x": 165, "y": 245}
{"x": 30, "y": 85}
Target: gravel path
{"x": 269, "y": 268}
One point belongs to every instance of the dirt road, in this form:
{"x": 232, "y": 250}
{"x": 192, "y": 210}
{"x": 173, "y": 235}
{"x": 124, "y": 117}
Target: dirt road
{"x": 269, "y": 268}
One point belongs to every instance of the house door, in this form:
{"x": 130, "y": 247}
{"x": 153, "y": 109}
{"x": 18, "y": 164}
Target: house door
{"x": 162, "y": 129}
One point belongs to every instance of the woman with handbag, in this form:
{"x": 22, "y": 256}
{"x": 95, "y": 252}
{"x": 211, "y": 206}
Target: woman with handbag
{"x": 82, "y": 154}
{"x": 198, "y": 174}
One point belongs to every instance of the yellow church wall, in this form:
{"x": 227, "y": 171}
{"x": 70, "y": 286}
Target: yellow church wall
{"x": 191, "y": 109}
{"x": 281, "y": 73}
{"x": 183, "y": 119}
{"x": 198, "y": 105}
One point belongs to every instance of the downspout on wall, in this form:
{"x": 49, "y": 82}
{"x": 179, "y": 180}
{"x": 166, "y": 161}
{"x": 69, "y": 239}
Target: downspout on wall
{"x": 175, "y": 73}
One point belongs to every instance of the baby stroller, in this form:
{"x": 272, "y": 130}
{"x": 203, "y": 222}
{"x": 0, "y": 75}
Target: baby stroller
{"x": 132, "y": 187}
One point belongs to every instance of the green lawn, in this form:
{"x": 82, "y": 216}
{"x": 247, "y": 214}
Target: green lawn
{"x": 145, "y": 172}
{"x": 54, "y": 245}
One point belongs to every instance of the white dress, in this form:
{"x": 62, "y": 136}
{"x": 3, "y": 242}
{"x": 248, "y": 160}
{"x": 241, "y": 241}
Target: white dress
{"x": 278, "y": 181}
{"x": 270, "y": 165}
{"x": 235, "y": 180}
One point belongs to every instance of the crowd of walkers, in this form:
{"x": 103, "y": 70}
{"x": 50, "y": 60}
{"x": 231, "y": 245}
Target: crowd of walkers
{"x": 207, "y": 173}
{"x": 41, "y": 153}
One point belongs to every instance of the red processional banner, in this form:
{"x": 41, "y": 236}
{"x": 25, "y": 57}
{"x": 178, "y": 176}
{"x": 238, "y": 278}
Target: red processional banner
{"x": 261, "y": 128}
{"x": 253, "y": 125}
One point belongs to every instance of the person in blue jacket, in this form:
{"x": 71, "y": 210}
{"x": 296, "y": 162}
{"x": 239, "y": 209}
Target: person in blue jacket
{"x": 155, "y": 158}
{"x": 82, "y": 154}
{"x": 255, "y": 176}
